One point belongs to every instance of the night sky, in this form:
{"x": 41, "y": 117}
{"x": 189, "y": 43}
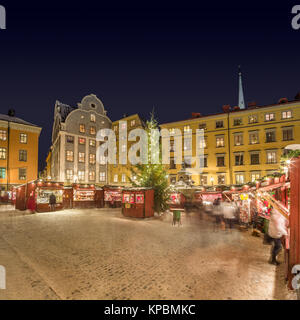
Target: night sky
{"x": 178, "y": 57}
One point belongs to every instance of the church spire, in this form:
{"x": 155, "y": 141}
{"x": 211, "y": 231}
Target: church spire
{"x": 241, "y": 93}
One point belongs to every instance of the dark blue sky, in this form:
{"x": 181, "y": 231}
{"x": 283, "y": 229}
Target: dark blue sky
{"x": 179, "y": 57}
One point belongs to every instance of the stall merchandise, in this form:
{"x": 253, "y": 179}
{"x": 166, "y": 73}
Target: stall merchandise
{"x": 112, "y": 197}
{"x": 138, "y": 202}
{"x": 84, "y": 196}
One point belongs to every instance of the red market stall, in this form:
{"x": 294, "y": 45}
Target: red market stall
{"x": 177, "y": 200}
{"x": 138, "y": 202}
{"x": 112, "y": 197}
{"x": 84, "y": 196}
{"x": 20, "y": 202}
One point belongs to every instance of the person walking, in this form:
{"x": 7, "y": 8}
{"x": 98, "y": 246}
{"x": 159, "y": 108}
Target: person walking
{"x": 277, "y": 229}
{"x": 217, "y": 212}
{"x": 228, "y": 212}
{"x": 52, "y": 202}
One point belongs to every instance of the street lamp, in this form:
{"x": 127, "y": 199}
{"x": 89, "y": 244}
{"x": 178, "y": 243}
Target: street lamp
{"x": 212, "y": 181}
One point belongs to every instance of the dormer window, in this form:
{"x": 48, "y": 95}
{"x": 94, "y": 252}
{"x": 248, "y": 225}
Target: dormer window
{"x": 93, "y": 118}
{"x": 93, "y": 105}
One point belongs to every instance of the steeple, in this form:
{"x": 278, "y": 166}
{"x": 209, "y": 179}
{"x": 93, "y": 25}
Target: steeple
{"x": 241, "y": 93}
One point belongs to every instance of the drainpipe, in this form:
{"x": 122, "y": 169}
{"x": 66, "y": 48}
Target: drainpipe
{"x": 229, "y": 150}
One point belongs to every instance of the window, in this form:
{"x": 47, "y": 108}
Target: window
{"x": 220, "y": 161}
{"x": 269, "y": 116}
{"x": 220, "y": 141}
{"x": 187, "y": 129}
{"x": 81, "y": 140}
{"x": 3, "y": 135}
{"x": 238, "y": 139}
{"x": 102, "y": 176}
{"x": 81, "y": 157}
{"x": 22, "y": 173}
{"x": 253, "y": 118}
{"x": 203, "y": 161}
{"x": 202, "y": 126}
{"x": 203, "y": 142}
{"x": 286, "y": 114}
{"x": 115, "y": 178}
{"x": 203, "y": 179}
{"x": 102, "y": 159}
{"x": 92, "y": 143}
{"x": 271, "y": 136}
{"x": 221, "y": 179}
{"x": 92, "y": 130}
{"x": 81, "y": 175}
{"x": 70, "y": 156}
{"x": 253, "y": 137}
{"x": 2, "y": 173}
{"x": 123, "y": 177}
{"x": 132, "y": 123}
{"x": 93, "y": 118}
{"x": 92, "y": 175}
{"x": 287, "y": 134}
{"x": 254, "y": 158}
{"x": 23, "y": 138}
{"x": 2, "y": 153}
{"x": 172, "y": 164}
{"x": 22, "y": 155}
{"x": 239, "y": 159}
{"x": 237, "y": 121}
{"x": 172, "y": 131}
{"x": 219, "y": 124}
{"x": 254, "y": 176}
{"x": 92, "y": 158}
{"x": 271, "y": 157}
{"x": 239, "y": 178}
{"x": 69, "y": 174}
{"x": 82, "y": 128}
{"x": 70, "y": 139}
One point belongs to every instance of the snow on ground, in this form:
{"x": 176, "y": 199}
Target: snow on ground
{"x": 99, "y": 254}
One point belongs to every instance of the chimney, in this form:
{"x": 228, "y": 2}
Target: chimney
{"x": 11, "y": 112}
{"x": 226, "y": 108}
{"x": 252, "y": 105}
{"x": 283, "y": 100}
{"x": 196, "y": 115}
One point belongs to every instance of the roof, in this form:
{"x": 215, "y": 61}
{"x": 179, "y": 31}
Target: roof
{"x": 5, "y": 117}
{"x": 64, "y": 110}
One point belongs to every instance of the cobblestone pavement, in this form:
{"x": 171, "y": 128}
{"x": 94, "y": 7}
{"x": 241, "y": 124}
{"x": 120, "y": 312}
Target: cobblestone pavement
{"x": 98, "y": 254}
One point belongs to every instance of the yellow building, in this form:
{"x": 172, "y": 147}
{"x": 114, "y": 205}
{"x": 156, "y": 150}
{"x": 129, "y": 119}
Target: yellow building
{"x": 119, "y": 173}
{"x": 18, "y": 151}
{"x": 241, "y": 145}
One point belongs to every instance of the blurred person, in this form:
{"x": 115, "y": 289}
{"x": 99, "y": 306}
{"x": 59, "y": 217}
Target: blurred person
{"x": 31, "y": 203}
{"x": 217, "y": 213}
{"x": 52, "y": 202}
{"x": 229, "y": 213}
{"x": 277, "y": 229}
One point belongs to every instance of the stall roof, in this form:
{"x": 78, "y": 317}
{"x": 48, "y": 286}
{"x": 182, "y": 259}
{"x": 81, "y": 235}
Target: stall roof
{"x": 274, "y": 186}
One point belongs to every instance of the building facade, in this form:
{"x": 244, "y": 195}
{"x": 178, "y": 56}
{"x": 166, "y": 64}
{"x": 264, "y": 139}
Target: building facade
{"x": 74, "y": 145}
{"x": 119, "y": 173}
{"x": 19, "y": 145}
{"x": 240, "y": 145}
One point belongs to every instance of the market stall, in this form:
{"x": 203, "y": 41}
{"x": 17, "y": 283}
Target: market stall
{"x": 112, "y": 197}
{"x": 99, "y": 198}
{"x": 208, "y": 198}
{"x": 177, "y": 200}
{"x": 84, "y": 196}
{"x": 20, "y": 202}
{"x": 138, "y": 202}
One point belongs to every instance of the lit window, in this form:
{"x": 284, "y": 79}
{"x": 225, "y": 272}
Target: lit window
{"x": 3, "y": 135}
{"x": 81, "y": 157}
{"x": 2, "y": 173}
{"x": 221, "y": 179}
{"x": 92, "y": 143}
{"x": 271, "y": 157}
{"x": 187, "y": 129}
{"x": 220, "y": 141}
{"x": 92, "y": 130}
{"x": 102, "y": 160}
{"x": 132, "y": 123}
{"x": 70, "y": 139}
{"x": 203, "y": 142}
{"x": 255, "y": 176}
{"x": 286, "y": 114}
{"x": 81, "y": 175}
{"x": 92, "y": 175}
{"x": 23, "y": 138}
{"x": 82, "y": 128}
{"x": 187, "y": 144}
{"x": 269, "y": 116}
{"x": 102, "y": 176}
{"x": 237, "y": 121}
{"x": 81, "y": 140}
{"x": 239, "y": 178}
{"x": 238, "y": 139}
{"x": 22, "y": 173}
{"x": 115, "y": 178}
{"x": 2, "y": 153}
{"x": 253, "y": 118}
{"x": 93, "y": 118}
{"x": 219, "y": 124}
{"x": 123, "y": 148}
{"x": 70, "y": 155}
{"x": 69, "y": 174}
{"x": 253, "y": 137}
{"x": 172, "y": 131}
{"x": 92, "y": 158}
{"x": 203, "y": 180}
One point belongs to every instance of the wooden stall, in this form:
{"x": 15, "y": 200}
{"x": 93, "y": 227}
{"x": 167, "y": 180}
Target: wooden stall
{"x": 84, "y": 196}
{"x": 177, "y": 200}
{"x": 112, "y": 197}
{"x": 20, "y": 202}
{"x": 138, "y": 202}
